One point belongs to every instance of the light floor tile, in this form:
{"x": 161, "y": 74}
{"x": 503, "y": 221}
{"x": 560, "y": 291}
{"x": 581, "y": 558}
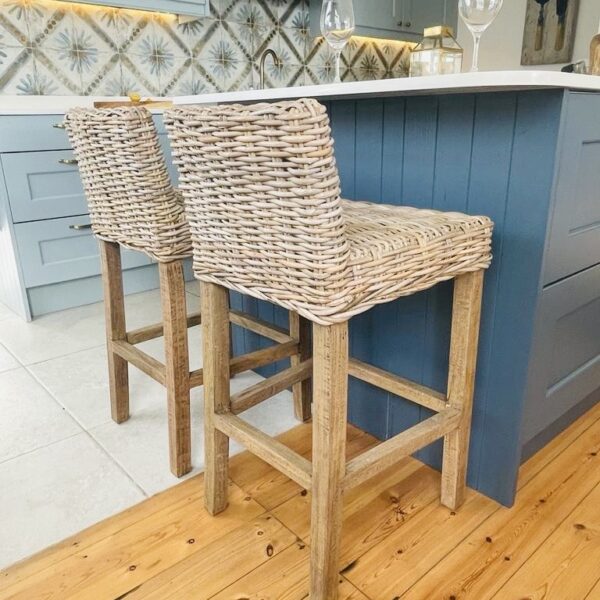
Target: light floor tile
{"x": 31, "y": 418}
{"x": 5, "y": 312}
{"x": 7, "y": 360}
{"x": 69, "y": 331}
{"x": 55, "y": 492}
{"x": 140, "y": 445}
{"x": 79, "y": 381}
{"x": 193, "y": 287}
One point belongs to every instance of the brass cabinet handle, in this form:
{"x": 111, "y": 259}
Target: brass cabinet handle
{"x": 80, "y": 226}
{"x": 67, "y": 161}
{"x": 59, "y": 126}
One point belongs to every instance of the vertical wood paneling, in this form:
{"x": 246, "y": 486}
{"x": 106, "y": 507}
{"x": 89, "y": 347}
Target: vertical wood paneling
{"x": 450, "y": 193}
{"x": 343, "y": 123}
{"x": 12, "y": 291}
{"x": 405, "y": 341}
{"x": 519, "y": 284}
{"x": 393, "y": 150}
{"x": 487, "y": 154}
{"x": 495, "y": 116}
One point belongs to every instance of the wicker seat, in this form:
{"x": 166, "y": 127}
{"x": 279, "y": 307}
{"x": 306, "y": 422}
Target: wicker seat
{"x": 262, "y": 196}
{"x": 133, "y": 204}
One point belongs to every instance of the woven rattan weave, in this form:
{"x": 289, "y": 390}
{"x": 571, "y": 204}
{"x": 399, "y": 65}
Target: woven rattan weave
{"x": 129, "y": 194}
{"x": 262, "y": 196}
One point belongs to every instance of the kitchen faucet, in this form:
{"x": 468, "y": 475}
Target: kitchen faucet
{"x": 263, "y": 59}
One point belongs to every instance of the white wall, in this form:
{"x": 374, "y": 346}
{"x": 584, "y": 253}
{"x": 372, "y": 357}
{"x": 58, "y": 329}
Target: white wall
{"x": 501, "y": 43}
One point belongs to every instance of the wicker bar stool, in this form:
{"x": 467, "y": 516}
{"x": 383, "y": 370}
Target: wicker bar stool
{"x": 132, "y": 204}
{"x": 262, "y": 196}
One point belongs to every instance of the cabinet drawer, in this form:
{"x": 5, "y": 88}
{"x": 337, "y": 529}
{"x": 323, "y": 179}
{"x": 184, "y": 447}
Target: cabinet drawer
{"x": 567, "y": 350}
{"x": 51, "y": 251}
{"x": 22, "y": 133}
{"x": 574, "y": 242}
{"x": 42, "y": 186}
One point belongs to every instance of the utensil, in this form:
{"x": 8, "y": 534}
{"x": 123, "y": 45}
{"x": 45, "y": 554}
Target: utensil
{"x": 541, "y": 22}
{"x": 561, "y": 13}
{"x": 478, "y": 15}
{"x": 337, "y": 27}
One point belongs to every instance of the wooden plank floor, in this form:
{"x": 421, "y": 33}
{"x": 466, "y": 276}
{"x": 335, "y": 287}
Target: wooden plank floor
{"x": 398, "y": 542}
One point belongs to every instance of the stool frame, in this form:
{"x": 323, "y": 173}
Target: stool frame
{"x": 174, "y": 374}
{"x": 329, "y": 475}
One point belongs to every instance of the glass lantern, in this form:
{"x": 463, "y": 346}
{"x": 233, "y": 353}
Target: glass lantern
{"x": 437, "y": 54}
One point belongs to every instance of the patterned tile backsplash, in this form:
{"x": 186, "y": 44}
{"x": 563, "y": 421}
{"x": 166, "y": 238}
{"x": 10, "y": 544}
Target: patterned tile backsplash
{"x": 52, "y": 47}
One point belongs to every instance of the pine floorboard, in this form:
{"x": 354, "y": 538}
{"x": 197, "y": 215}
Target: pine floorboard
{"x": 398, "y": 542}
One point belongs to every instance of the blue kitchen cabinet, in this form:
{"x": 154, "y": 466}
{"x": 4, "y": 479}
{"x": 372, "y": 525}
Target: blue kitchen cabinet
{"x": 191, "y": 8}
{"x": 529, "y": 160}
{"x": 394, "y": 19}
{"x": 48, "y": 256}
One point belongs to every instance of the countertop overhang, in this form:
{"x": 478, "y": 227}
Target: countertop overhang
{"x": 485, "y": 81}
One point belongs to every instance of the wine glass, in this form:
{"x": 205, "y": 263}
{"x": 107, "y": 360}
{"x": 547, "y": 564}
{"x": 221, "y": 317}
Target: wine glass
{"x": 337, "y": 27}
{"x": 478, "y": 15}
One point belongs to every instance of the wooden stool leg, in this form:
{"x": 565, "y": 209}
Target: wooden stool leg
{"x": 215, "y": 346}
{"x": 330, "y": 383}
{"x": 177, "y": 366}
{"x": 114, "y": 310}
{"x": 466, "y": 311}
{"x": 301, "y": 329}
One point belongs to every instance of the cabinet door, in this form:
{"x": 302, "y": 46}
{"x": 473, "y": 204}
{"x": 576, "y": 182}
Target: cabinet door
{"x": 375, "y": 15}
{"x": 193, "y": 8}
{"x": 566, "y": 367}
{"x": 416, "y": 15}
{"x": 56, "y": 250}
{"x": 574, "y": 242}
{"x": 43, "y": 185}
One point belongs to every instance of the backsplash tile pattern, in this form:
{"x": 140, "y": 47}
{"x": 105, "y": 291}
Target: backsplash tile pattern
{"x": 52, "y": 47}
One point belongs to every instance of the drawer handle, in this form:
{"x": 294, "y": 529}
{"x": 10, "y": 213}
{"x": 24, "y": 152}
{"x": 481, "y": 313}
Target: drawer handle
{"x": 408, "y": 23}
{"x": 80, "y": 226}
{"x": 59, "y": 126}
{"x": 67, "y": 161}
{"x": 400, "y": 23}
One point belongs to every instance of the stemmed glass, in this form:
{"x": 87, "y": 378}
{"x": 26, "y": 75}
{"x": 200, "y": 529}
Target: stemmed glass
{"x": 337, "y": 27}
{"x": 478, "y": 15}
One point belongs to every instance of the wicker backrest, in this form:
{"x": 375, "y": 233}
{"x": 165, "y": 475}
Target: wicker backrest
{"x": 261, "y": 191}
{"x": 129, "y": 194}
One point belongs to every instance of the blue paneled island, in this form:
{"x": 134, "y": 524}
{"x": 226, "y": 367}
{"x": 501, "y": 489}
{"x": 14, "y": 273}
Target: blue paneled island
{"x": 524, "y": 149}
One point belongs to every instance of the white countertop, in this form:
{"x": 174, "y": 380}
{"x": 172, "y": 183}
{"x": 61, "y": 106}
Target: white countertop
{"x": 50, "y": 105}
{"x": 485, "y": 81}
{"x": 445, "y": 84}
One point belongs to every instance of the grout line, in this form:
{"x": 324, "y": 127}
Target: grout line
{"x": 42, "y": 447}
{"x": 45, "y": 360}
{"x": 85, "y": 430}
{"x": 118, "y": 464}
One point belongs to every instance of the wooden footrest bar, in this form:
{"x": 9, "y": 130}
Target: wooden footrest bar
{"x": 252, "y": 360}
{"x": 387, "y": 454}
{"x": 282, "y": 458}
{"x": 415, "y": 392}
{"x": 150, "y": 332}
{"x": 269, "y": 387}
{"x": 144, "y": 362}
{"x": 268, "y": 330}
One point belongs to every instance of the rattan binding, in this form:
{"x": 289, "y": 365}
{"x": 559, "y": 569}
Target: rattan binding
{"x": 126, "y": 182}
{"x": 262, "y": 196}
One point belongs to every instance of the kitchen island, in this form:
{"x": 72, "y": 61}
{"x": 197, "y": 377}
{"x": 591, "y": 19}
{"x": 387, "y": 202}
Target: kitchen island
{"x": 523, "y": 148}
